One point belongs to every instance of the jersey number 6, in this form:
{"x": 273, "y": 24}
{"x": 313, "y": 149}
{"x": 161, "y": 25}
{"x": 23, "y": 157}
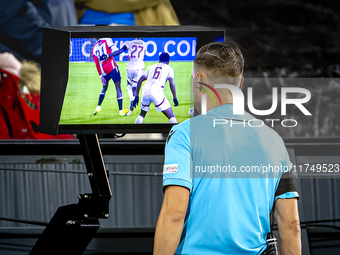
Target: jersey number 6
{"x": 157, "y": 72}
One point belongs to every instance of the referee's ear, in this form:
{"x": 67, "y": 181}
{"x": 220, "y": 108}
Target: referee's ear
{"x": 201, "y": 74}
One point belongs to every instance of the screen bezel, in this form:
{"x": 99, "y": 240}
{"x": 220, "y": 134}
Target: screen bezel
{"x": 54, "y": 74}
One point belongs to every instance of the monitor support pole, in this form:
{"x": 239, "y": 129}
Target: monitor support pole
{"x": 73, "y": 226}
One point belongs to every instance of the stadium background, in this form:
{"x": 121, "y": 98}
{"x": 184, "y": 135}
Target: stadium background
{"x": 278, "y": 38}
{"x": 288, "y": 39}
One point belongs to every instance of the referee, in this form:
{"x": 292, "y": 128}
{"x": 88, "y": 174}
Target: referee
{"x": 209, "y": 211}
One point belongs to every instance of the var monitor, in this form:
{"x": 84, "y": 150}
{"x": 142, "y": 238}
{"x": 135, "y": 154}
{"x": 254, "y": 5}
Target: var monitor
{"x": 118, "y": 79}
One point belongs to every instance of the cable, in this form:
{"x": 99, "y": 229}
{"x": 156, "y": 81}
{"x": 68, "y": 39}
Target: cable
{"x": 76, "y": 172}
{"x": 39, "y": 223}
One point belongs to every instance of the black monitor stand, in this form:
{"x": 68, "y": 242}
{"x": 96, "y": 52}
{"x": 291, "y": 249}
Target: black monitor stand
{"x": 73, "y": 226}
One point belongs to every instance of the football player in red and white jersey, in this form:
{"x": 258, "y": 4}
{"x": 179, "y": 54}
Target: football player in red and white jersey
{"x": 103, "y": 53}
{"x": 156, "y": 77}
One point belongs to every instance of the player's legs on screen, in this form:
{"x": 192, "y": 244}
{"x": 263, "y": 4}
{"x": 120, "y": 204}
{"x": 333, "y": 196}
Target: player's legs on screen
{"x": 130, "y": 93}
{"x": 129, "y": 88}
{"x": 129, "y": 78}
{"x": 105, "y": 82}
{"x": 133, "y": 89}
{"x": 132, "y": 76}
{"x": 141, "y": 117}
{"x": 115, "y": 75}
{"x": 138, "y": 74}
{"x": 162, "y": 105}
{"x": 170, "y": 114}
{"x": 145, "y": 107}
{"x": 119, "y": 98}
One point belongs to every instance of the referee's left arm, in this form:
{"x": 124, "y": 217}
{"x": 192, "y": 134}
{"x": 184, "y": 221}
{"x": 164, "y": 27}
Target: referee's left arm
{"x": 177, "y": 185}
{"x": 171, "y": 219}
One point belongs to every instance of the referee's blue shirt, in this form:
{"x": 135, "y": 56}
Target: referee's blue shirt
{"x": 228, "y": 212}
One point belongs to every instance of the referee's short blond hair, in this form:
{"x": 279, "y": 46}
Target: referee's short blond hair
{"x": 220, "y": 60}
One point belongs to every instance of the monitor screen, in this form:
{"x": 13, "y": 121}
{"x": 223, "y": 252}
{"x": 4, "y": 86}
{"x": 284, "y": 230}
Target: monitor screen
{"x": 85, "y": 87}
{"x": 107, "y": 67}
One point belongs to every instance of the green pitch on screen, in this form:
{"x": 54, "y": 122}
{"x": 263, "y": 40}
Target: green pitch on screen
{"x": 84, "y": 87}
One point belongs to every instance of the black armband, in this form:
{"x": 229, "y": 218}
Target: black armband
{"x": 286, "y": 184}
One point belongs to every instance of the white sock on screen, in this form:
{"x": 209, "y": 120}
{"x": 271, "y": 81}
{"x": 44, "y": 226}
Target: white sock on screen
{"x": 129, "y": 89}
{"x": 173, "y": 120}
{"x": 139, "y": 120}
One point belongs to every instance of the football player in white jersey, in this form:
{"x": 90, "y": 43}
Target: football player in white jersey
{"x": 135, "y": 65}
{"x": 156, "y": 77}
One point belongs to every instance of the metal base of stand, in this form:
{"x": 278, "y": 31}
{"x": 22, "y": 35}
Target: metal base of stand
{"x": 73, "y": 226}
{"x": 66, "y": 233}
